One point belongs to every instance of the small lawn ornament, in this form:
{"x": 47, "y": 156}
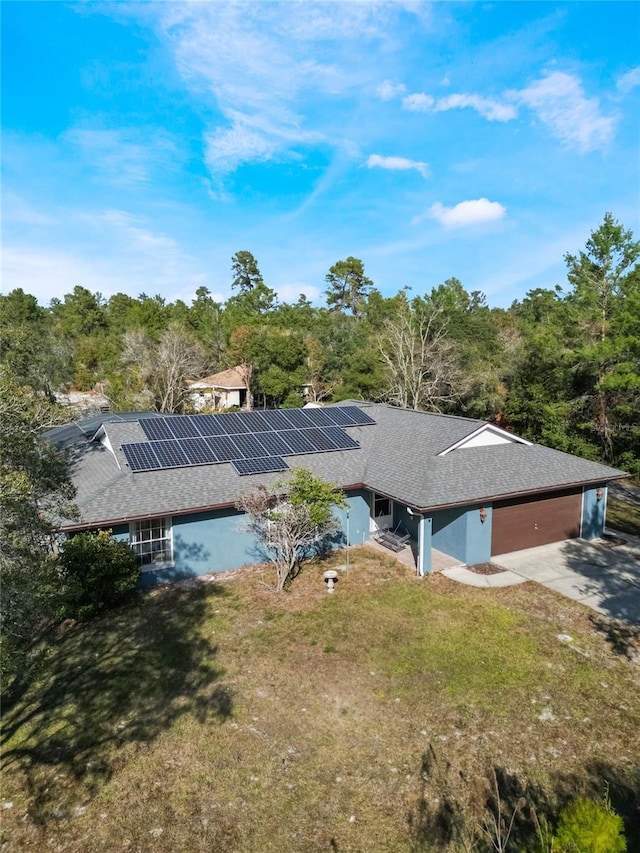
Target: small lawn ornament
{"x": 330, "y": 578}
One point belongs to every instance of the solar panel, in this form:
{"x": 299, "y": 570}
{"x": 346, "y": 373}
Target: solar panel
{"x": 298, "y": 442}
{"x": 341, "y": 439}
{"x": 182, "y": 427}
{"x": 169, "y": 453}
{"x": 298, "y": 418}
{"x": 275, "y": 443}
{"x": 198, "y": 451}
{"x": 276, "y": 419}
{"x": 140, "y": 457}
{"x": 358, "y": 417}
{"x": 255, "y": 421}
{"x": 319, "y": 417}
{"x": 224, "y": 448}
{"x": 250, "y": 446}
{"x": 156, "y": 428}
{"x": 235, "y": 423}
{"x": 259, "y": 466}
{"x": 339, "y": 416}
{"x": 250, "y": 440}
{"x": 209, "y": 424}
{"x": 319, "y": 440}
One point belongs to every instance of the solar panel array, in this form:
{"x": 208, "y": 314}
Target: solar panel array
{"x": 254, "y": 442}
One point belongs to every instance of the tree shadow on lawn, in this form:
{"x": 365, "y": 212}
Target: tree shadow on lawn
{"x": 456, "y": 813}
{"x": 623, "y": 639}
{"x": 122, "y": 679}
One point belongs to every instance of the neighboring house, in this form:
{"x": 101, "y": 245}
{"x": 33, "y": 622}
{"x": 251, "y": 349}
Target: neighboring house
{"x": 224, "y": 390}
{"x": 464, "y": 487}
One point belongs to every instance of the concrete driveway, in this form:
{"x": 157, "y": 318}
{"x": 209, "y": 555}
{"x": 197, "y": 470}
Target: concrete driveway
{"x": 604, "y": 575}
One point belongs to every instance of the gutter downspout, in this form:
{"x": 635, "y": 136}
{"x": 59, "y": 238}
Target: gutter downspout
{"x": 420, "y": 562}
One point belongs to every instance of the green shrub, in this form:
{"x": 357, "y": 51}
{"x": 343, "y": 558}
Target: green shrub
{"x": 586, "y": 826}
{"x": 97, "y": 571}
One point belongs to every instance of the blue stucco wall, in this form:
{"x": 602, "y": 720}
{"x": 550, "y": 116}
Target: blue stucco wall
{"x": 462, "y": 534}
{"x": 212, "y": 542}
{"x": 448, "y": 532}
{"x": 359, "y": 513}
{"x": 593, "y": 512}
{"x": 218, "y": 541}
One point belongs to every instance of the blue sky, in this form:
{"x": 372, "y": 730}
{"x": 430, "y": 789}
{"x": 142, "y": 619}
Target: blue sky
{"x": 145, "y": 143}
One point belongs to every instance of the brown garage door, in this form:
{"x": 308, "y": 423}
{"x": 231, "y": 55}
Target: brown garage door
{"x": 527, "y": 522}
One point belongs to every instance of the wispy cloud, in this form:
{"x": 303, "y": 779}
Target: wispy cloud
{"x": 488, "y": 108}
{"x": 387, "y": 90}
{"x": 628, "y": 82}
{"x": 125, "y": 156}
{"x": 472, "y": 212}
{"x": 559, "y": 101}
{"x": 397, "y": 164}
{"x": 418, "y": 102}
{"x": 262, "y": 66}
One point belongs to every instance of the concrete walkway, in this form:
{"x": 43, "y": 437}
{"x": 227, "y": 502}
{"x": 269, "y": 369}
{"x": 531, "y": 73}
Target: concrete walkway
{"x": 604, "y": 575}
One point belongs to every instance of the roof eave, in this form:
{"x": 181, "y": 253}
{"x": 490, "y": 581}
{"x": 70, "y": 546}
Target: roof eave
{"x": 503, "y": 496}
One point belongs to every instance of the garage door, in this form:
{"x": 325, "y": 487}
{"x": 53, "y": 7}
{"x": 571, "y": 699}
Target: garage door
{"x": 527, "y": 522}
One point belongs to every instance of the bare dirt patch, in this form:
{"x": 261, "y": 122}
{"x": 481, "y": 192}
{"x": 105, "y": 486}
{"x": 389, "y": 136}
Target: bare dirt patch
{"x": 486, "y": 569}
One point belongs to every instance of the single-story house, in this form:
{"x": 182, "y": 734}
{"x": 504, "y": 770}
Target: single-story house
{"x": 169, "y": 484}
{"x": 224, "y": 390}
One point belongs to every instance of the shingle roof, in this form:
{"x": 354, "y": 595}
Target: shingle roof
{"x": 398, "y": 457}
{"x": 233, "y": 378}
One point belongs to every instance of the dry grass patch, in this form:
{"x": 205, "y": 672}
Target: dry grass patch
{"x": 223, "y": 717}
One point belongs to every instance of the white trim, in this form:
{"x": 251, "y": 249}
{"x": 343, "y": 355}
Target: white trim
{"x": 582, "y": 513}
{"x": 374, "y": 526}
{"x": 168, "y": 527}
{"x": 491, "y": 428}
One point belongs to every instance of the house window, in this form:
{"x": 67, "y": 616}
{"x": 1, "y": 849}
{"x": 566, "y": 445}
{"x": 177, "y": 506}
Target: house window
{"x": 152, "y": 543}
{"x": 381, "y": 506}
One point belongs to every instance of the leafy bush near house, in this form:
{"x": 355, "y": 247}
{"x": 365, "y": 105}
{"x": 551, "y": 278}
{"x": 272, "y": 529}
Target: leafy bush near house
{"x": 98, "y": 572}
{"x": 586, "y": 826}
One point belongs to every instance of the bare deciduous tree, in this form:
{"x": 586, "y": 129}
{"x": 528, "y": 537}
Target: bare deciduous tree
{"x": 422, "y": 367}
{"x": 164, "y": 368}
{"x": 178, "y": 359}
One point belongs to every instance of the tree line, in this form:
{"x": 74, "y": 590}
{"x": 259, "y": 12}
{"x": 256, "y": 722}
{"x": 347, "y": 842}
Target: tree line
{"x": 560, "y": 366}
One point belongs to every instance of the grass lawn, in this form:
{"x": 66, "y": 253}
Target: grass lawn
{"x": 220, "y": 717}
{"x": 623, "y": 516}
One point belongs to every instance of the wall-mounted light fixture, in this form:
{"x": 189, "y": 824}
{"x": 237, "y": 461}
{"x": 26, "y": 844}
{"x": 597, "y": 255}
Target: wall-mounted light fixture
{"x": 483, "y": 515}
{"x": 599, "y": 494}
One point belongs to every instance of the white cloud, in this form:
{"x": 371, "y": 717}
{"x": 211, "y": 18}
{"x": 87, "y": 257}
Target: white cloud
{"x": 560, "y": 103}
{"x": 397, "y": 164}
{"x": 291, "y": 292}
{"x": 472, "y": 212}
{"x": 267, "y": 69}
{"x": 629, "y": 81}
{"x": 488, "y": 108}
{"x": 226, "y": 149}
{"x": 387, "y": 91}
{"x": 418, "y": 102}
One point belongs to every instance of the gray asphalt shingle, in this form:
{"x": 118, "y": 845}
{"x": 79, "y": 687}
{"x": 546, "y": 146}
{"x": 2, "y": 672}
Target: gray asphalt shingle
{"x": 398, "y": 456}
